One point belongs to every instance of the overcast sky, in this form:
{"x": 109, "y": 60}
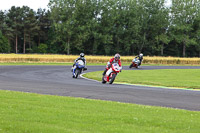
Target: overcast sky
{"x": 33, "y": 4}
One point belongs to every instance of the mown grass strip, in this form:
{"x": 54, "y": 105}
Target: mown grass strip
{"x": 27, "y": 112}
{"x": 183, "y": 78}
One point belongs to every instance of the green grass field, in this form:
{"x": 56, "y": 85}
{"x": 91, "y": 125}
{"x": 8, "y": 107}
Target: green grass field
{"x": 34, "y": 113}
{"x": 183, "y": 78}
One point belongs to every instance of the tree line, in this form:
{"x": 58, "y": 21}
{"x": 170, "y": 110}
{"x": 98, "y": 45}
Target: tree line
{"x": 104, "y": 27}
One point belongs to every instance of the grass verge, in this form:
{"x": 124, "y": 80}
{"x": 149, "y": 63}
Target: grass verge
{"x": 184, "y": 78}
{"x": 27, "y": 112}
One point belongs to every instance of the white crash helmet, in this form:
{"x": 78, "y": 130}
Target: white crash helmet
{"x": 117, "y": 56}
{"x": 141, "y": 55}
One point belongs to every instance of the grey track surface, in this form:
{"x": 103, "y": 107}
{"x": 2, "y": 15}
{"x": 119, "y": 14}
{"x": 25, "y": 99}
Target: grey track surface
{"x": 57, "y": 80}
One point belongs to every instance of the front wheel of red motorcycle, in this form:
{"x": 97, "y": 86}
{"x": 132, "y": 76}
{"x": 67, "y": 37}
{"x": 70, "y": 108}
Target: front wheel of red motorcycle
{"x": 112, "y": 79}
{"x": 103, "y": 81}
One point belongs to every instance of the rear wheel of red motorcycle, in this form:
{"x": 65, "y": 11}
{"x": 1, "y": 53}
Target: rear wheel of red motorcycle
{"x": 112, "y": 79}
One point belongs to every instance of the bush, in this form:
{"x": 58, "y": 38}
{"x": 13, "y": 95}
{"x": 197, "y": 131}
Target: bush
{"x": 42, "y": 48}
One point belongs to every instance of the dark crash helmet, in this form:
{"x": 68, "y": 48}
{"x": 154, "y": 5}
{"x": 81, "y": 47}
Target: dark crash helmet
{"x": 82, "y": 55}
{"x": 117, "y": 56}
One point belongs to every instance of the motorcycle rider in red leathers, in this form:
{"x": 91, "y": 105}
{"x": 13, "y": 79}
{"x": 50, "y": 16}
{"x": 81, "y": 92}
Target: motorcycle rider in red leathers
{"x": 108, "y": 70}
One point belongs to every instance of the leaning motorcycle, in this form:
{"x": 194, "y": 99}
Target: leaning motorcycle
{"x": 135, "y": 63}
{"x": 78, "y": 68}
{"x": 115, "y": 70}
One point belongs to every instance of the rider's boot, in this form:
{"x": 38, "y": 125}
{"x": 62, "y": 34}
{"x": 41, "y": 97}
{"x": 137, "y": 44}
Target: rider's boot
{"x": 72, "y": 67}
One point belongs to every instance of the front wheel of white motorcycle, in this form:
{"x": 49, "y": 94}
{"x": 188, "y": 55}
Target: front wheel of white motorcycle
{"x": 77, "y": 72}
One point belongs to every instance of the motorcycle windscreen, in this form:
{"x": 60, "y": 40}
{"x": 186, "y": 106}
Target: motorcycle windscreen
{"x": 136, "y": 60}
{"x": 80, "y": 63}
{"x": 116, "y": 67}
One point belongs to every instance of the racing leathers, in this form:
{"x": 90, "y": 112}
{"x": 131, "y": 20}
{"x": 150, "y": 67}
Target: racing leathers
{"x": 108, "y": 70}
{"x": 140, "y": 58}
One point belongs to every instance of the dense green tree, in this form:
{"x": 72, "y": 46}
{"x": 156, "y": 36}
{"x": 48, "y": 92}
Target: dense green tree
{"x": 44, "y": 23}
{"x": 2, "y": 20}
{"x": 153, "y": 24}
{"x": 183, "y": 13}
{"x": 105, "y": 27}
{"x": 30, "y": 27}
{"x": 62, "y": 14}
{"x": 160, "y": 25}
{"x": 14, "y": 21}
{"x": 6, "y": 30}
{"x": 196, "y": 33}
{"x": 4, "y": 45}
{"x": 131, "y": 28}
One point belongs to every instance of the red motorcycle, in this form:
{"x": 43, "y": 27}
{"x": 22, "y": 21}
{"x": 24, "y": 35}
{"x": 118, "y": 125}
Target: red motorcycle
{"x": 135, "y": 63}
{"x": 115, "y": 70}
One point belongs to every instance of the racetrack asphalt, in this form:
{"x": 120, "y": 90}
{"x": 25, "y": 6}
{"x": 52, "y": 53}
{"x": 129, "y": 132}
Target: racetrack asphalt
{"x": 57, "y": 80}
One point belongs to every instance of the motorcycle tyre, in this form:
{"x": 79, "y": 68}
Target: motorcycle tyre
{"x": 131, "y": 65}
{"x": 77, "y": 72}
{"x": 112, "y": 79}
{"x": 103, "y": 81}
